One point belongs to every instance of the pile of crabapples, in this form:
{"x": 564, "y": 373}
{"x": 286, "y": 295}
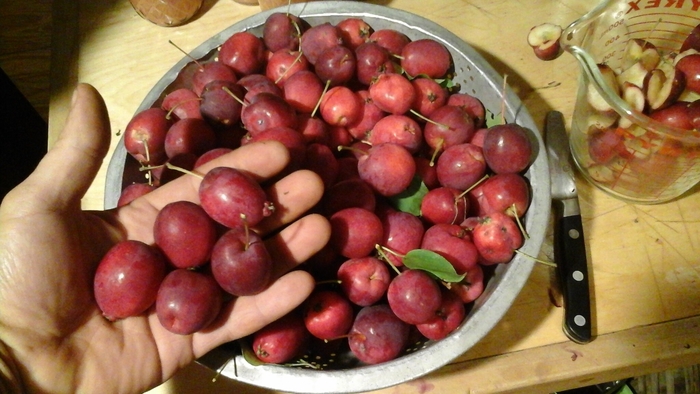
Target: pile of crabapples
{"x": 422, "y": 196}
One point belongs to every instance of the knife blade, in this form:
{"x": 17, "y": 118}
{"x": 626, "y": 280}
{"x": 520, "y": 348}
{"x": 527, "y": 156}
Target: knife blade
{"x": 569, "y": 242}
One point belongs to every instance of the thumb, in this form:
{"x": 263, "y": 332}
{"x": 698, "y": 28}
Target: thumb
{"x": 65, "y": 173}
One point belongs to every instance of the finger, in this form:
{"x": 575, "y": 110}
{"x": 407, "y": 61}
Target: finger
{"x": 292, "y": 246}
{"x": 65, "y": 173}
{"x": 261, "y": 160}
{"x": 298, "y": 242}
{"x": 246, "y": 315}
{"x": 292, "y": 196}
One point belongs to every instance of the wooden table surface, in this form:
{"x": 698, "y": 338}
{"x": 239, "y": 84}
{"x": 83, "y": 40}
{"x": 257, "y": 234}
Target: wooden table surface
{"x": 644, "y": 259}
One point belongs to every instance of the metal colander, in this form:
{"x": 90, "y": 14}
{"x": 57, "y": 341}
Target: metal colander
{"x": 340, "y": 372}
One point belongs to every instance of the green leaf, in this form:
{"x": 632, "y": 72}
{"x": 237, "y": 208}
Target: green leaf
{"x": 492, "y": 119}
{"x": 432, "y": 262}
{"x": 410, "y": 199}
{"x": 447, "y": 83}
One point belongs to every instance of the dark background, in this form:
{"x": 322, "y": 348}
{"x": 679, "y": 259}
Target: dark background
{"x": 23, "y": 136}
{"x": 25, "y": 58}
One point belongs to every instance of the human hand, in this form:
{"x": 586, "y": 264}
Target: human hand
{"x": 53, "y": 337}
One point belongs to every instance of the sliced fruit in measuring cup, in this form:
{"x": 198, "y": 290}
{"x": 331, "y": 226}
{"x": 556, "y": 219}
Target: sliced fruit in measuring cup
{"x": 640, "y": 52}
{"x": 639, "y": 148}
{"x": 663, "y": 85}
{"x": 634, "y": 96}
{"x": 689, "y": 96}
{"x": 601, "y": 120}
{"x": 635, "y": 74}
{"x": 677, "y": 57}
{"x": 595, "y": 99}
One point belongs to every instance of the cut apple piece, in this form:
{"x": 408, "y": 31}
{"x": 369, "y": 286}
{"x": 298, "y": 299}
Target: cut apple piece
{"x": 634, "y": 96}
{"x": 689, "y": 96}
{"x": 636, "y": 130}
{"x": 633, "y": 74}
{"x": 678, "y": 56}
{"x": 638, "y": 148}
{"x": 595, "y": 99}
{"x": 544, "y": 40}
{"x": 601, "y": 120}
{"x": 640, "y": 52}
{"x": 663, "y": 85}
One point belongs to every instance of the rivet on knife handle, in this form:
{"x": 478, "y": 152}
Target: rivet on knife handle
{"x": 574, "y": 275}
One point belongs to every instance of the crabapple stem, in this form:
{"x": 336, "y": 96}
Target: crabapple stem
{"x": 349, "y": 335}
{"x": 184, "y": 171}
{"x": 244, "y": 219}
{"x": 447, "y": 285}
{"x": 503, "y": 102}
{"x": 296, "y": 60}
{"x": 318, "y": 103}
{"x": 425, "y": 118}
{"x": 149, "y": 175}
{"x": 149, "y": 168}
{"x": 477, "y": 183}
{"x": 351, "y": 149}
{"x": 653, "y": 30}
{"x": 395, "y": 253}
{"x": 433, "y": 158}
{"x": 545, "y": 262}
{"x": 227, "y": 90}
{"x": 218, "y": 371}
{"x": 514, "y": 211}
{"x": 302, "y": 363}
{"x": 186, "y": 54}
{"x": 295, "y": 24}
{"x": 145, "y": 147}
{"x": 382, "y": 254}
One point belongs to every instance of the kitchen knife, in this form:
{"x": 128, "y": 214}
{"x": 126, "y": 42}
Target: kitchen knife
{"x": 569, "y": 244}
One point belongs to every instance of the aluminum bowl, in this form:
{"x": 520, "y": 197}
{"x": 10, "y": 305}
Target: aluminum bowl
{"x": 476, "y": 77}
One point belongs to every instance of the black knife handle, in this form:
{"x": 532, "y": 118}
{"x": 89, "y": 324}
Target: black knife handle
{"x": 570, "y": 255}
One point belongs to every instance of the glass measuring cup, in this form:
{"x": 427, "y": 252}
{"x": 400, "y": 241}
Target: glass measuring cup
{"x": 617, "y": 148}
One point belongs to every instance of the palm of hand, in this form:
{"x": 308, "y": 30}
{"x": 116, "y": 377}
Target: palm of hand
{"x": 49, "y": 250}
{"x": 47, "y": 298}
